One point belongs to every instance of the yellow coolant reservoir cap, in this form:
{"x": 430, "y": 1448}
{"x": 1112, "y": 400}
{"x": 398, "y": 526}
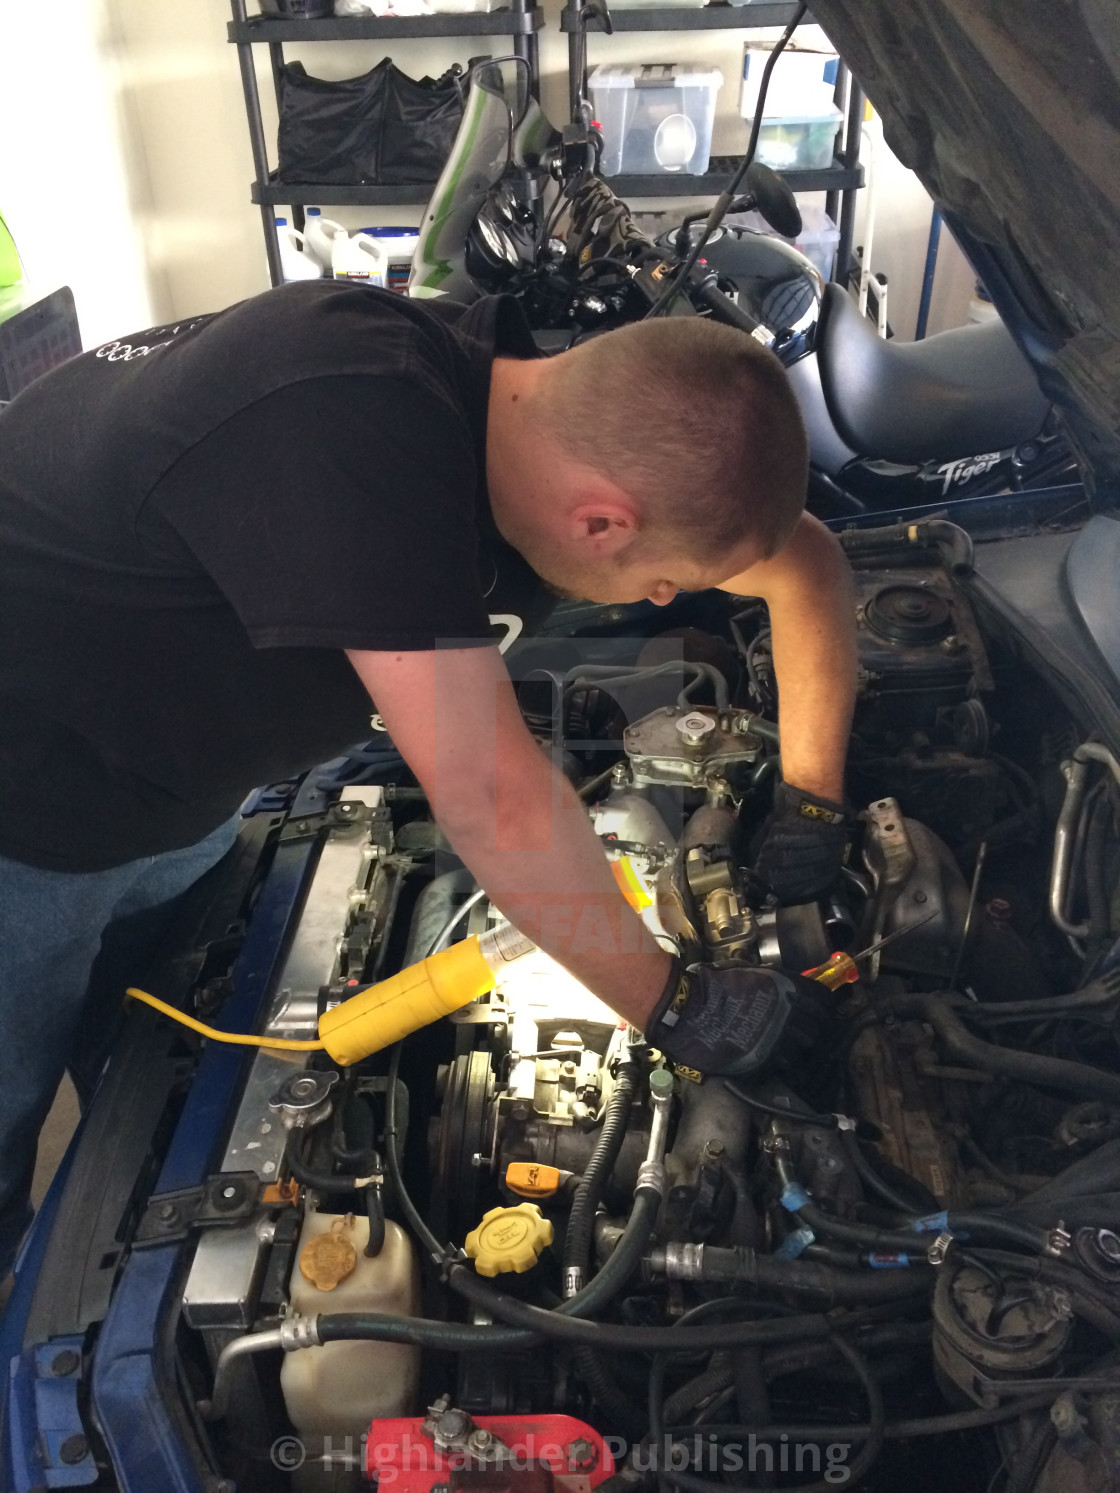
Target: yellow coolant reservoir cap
{"x": 328, "y": 1259}
{"x": 509, "y": 1239}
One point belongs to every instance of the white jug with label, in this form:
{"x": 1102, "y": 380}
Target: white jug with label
{"x": 358, "y": 256}
{"x": 319, "y": 234}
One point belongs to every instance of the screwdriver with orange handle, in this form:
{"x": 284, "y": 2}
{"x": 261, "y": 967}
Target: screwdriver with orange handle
{"x": 842, "y": 969}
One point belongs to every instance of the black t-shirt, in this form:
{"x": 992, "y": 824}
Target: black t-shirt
{"x": 197, "y": 519}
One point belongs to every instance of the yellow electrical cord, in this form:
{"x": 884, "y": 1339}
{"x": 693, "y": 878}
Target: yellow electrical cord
{"x": 239, "y": 1039}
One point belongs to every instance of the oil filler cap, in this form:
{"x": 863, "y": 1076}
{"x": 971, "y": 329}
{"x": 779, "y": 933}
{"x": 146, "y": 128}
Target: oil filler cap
{"x": 531, "y": 1180}
{"x": 509, "y": 1239}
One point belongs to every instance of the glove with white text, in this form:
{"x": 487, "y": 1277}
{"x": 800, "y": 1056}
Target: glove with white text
{"x": 736, "y": 1019}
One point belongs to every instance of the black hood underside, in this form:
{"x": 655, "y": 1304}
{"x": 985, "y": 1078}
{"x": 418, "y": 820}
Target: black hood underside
{"x": 1009, "y": 113}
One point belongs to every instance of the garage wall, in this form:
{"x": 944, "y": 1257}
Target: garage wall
{"x": 130, "y": 172}
{"x": 73, "y": 185}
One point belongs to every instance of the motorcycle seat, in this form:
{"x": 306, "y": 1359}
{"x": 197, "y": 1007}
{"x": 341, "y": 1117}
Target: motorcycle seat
{"x": 959, "y": 393}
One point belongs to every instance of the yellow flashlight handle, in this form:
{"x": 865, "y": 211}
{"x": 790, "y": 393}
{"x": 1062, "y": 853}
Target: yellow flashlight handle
{"x": 422, "y": 993}
{"x": 384, "y": 1013}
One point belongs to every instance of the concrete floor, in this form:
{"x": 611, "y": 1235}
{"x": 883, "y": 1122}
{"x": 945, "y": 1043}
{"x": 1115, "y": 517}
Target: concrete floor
{"x": 54, "y": 1139}
{"x": 52, "y": 1144}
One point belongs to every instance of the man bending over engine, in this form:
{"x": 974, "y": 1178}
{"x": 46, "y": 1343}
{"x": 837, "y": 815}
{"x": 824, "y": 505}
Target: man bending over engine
{"x": 221, "y": 540}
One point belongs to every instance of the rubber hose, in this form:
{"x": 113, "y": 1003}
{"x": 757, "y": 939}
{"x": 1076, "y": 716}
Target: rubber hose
{"x": 623, "y": 1260}
{"x": 359, "y": 1117}
{"x": 302, "y": 1172}
{"x": 1006, "y": 1230}
{"x": 873, "y": 1444}
{"x": 602, "y": 1383}
{"x": 899, "y": 1430}
{"x": 1034, "y": 1239}
{"x": 1032, "y": 1457}
{"x": 746, "y": 1225}
{"x": 714, "y": 1379}
{"x": 636, "y": 1339}
{"x": 436, "y": 1251}
{"x": 346, "y": 1106}
{"x": 1098, "y": 1172}
{"x": 752, "y": 1398}
{"x": 452, "y": 1337}
{"x": 1032, "y": 1068}
{"x": 375, "y": 1211}
{"x": 865, "y": 1235}
{"x": 806, "y": 1277}
{"x": 870, "y": 1177}
{"x": 423, "y": 1332}
{"x": 435, "y": 904}
{"x": 1101, "y": 1211}
{"x": 589, "y": 1193}
{"x": 796, "y": 1358}
{"x": 1096, "y": 995}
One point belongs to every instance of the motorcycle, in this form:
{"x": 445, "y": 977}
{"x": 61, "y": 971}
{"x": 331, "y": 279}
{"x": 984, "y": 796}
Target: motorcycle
{"x": 521, "y": 209}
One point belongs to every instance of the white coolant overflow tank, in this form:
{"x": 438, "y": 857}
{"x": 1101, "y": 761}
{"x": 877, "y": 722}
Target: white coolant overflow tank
{"x": 338, "y": 1388}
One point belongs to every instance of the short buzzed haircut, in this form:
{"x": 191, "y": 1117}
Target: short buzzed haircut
{"x": 693, "y": 420}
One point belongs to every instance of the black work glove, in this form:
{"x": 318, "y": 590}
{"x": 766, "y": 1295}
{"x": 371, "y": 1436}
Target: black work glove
{"x": 736, "y": 1019}
{"x": 804, "y": 845}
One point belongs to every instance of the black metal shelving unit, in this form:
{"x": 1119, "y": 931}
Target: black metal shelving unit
{"x": 840, "y": 181}
{"x": 520, "y": 21}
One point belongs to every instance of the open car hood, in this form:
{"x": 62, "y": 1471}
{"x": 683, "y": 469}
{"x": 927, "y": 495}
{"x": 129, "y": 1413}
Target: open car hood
{"x": 1010, "y": 116}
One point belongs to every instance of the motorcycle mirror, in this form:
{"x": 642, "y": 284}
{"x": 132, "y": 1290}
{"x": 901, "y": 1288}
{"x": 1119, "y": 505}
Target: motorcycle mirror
{"x": 774, "y": 200}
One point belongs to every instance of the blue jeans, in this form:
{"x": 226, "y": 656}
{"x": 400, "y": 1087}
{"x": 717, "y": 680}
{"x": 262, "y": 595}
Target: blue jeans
{"x": 57, "y": 929}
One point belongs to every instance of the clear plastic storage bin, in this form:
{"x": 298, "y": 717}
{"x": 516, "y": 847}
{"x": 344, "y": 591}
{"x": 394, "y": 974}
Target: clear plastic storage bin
{"x": 802, "y": 83}
{"x": 655, "y": 118}
{"x": 798, "y": 142}
{"x": 817, "y": 240}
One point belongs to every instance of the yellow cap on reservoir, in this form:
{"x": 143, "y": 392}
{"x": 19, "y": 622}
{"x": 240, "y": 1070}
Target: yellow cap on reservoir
{"x": 386, "y": 1012}
{"x": 509, "y": 1239}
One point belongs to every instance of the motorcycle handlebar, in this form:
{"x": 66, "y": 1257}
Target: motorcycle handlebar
{"x": 722, "y": 307}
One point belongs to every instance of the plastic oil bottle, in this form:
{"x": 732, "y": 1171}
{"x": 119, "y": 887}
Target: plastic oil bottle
{"x": 295, "y": 262}
{"x": 337, "y": 1389}
{"x": 319, "y": 234}
{"x": 359, "y": 256}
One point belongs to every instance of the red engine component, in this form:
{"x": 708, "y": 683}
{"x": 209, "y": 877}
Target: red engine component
{"x": 450, "y": 1451}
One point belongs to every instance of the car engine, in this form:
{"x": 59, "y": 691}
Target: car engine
{"x": 517, "y": 1252}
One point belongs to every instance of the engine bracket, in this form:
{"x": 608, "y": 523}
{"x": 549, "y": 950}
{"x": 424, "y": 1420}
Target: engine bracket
{"x": 225, "y": 1199}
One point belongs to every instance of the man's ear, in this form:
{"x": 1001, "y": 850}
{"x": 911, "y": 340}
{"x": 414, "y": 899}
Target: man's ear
{"x": 606, "y": 523}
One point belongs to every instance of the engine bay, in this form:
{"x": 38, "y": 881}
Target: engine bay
{"x": 518, "y": 1252}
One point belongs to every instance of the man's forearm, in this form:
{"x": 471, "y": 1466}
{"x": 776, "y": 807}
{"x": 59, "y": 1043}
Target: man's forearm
{"x": 812, "y": 622}
{"x": 513, "y": 818}
{"x": 808, "y": 589}
{"x": 544, "y": 867}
